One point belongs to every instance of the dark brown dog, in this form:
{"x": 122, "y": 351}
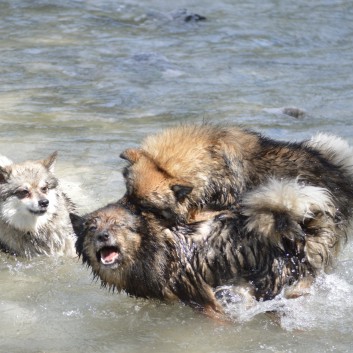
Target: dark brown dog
{"x": 284, "y": 237}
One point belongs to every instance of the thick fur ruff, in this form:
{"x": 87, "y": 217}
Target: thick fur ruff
{"x": 181, "y": 170}
{"x": 266, "y": 249}
{"x": 34, "y": 212}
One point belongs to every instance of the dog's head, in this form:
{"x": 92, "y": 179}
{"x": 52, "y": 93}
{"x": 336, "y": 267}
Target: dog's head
{"x": 153, "y": 188}
{"x": 109, "y": 241}
{"x": 28, "y": 195}
{"x": 132, "y": 251}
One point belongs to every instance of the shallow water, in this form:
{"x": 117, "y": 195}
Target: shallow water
{"x": 90, "y": 78}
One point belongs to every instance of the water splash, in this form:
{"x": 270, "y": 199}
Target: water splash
{"x": 325, "y": 307}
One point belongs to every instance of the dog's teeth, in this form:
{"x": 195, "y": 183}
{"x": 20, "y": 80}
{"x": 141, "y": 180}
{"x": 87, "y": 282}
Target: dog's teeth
{"x": 108, "y": 256}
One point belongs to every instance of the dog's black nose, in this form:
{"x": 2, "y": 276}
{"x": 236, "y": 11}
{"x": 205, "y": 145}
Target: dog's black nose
{"x": 103, "y": 236}
{"x": 43, "y": 203}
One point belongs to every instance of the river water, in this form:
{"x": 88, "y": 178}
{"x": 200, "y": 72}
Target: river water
{"x": 91, "y": 78}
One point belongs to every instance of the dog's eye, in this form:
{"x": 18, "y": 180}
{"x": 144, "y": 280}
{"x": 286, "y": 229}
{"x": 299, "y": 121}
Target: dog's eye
{"x": 92, "y": 228}
{"x": 126, "y": 173}
{"x": 44, "y": 189}
{"x": 22, "y": 193}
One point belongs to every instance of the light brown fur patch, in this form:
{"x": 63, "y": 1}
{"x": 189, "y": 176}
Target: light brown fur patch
{"x": 188, "y": 167}
{"x": 185, "y": 170}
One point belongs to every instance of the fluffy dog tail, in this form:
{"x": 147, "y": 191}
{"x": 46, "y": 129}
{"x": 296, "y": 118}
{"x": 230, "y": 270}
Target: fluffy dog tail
{"x": 289, "y": 209}
{"x": 335, "y": 149}
{"x": 4, "y": 161}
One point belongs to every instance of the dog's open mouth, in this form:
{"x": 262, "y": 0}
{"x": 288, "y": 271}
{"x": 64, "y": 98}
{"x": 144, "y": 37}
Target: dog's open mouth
{"x": 38, "y": 212}
{"x": 108, "y": 255}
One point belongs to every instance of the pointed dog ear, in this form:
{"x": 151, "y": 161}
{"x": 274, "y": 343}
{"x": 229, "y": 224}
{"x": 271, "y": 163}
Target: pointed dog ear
{"x": 181, "y": 190}
{"x": 49, "y": 162}
{"x": 4, "y": 174}
{"x": 132, "y": 155}
{"x": 77, "y": 223}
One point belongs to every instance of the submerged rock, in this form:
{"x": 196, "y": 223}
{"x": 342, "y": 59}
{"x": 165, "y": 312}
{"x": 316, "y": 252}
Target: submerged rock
{"x": 290, "y": 111}
{"x": 182, "y": 15}
{"x": 186, "y": 16}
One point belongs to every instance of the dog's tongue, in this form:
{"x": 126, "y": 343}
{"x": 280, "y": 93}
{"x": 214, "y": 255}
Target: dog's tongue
{"x": 109, "y": 255}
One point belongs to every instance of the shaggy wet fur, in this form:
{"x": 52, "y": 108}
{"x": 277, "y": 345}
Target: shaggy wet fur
{"x": 182, "y": 170}
{"x": 34, "y": 212}
{"x": 284, "y": 236}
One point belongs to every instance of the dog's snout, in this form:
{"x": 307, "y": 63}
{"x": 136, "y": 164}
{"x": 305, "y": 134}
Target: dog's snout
{"x": 103, "y": 236}
{"x": 43, "y": 203}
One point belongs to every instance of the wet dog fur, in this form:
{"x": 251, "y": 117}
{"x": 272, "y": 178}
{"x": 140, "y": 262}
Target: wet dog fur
{"x": 34, "y": 212}
{"x": 282, "y": 238}
{"x": 185, "y": 169}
